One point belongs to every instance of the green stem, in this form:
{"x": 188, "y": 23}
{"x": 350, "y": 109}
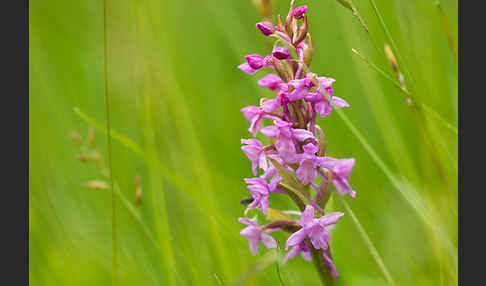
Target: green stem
{"x": 323, "y": 270}
{"x": 108, "y": 137}
{"x": 447, "y": 31}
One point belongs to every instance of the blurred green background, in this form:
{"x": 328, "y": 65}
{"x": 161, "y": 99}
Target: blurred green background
{"x": 175, "y": 96}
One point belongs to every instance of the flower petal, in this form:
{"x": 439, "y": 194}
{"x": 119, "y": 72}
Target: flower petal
{"x": 330, "y": 218}
{"x": 302, "y": 134}
{"x": 339, "y": 102}
{"x": 245, "y": 67}
{"x": 268, "y": 241}
{"x": 270, "y": 131}
{"x": 329, "y": 263}
{"x": 296, "y": 238}
{"x": 307, "y": 215}
{"x": 291, "y": 254}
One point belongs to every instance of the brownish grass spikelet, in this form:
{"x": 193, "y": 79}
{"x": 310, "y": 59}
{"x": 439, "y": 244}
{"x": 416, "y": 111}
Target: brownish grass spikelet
{"x": 97, "y": 185}
{"x": 76, "y": 138}
{"x": 91, "y": 138}
{"x": 138, "y": 190}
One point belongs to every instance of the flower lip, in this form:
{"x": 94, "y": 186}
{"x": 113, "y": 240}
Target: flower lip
{"x": 266, "y": 28}
{"x": 300, "y": 11}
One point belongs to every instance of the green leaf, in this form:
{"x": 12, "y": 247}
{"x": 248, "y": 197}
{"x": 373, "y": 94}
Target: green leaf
{"x": 274, "y": 215}
{"x": 297, "y": 190}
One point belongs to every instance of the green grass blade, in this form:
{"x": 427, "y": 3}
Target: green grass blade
{"x": 368, "y": 243}
{"x": 428, "y": 110}
{"x": 108, "y": 138}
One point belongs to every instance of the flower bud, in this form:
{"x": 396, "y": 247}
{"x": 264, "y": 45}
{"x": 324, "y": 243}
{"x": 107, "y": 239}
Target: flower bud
{"x": 299, "y": 12}
{"x": 266, "y": 28}
{"x": 281, "y": 53}
{"x": 254, "y": 61}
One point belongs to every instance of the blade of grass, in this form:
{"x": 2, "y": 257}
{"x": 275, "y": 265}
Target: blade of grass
{"x": 108, "y": 138}
{"x": 440, "y": 119}
{"x": 175, "y": 179}
{"x": 425, "y": 107}
{"x": 268, "y": 259}
{"x": 447, "y": 30}
{"x": 348, "y": 4}
{"x": 367, "y": 241}
{"x": 390, "y": 39}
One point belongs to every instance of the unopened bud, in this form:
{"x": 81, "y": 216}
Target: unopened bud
{"x": 281, "y": 53}
{"x": 299, "y": 12}
{"x": 97, "y": 185}
{"x": 76, "y": 138}
{"x": 255, "y": 61}
{"x": 266, "y": 28}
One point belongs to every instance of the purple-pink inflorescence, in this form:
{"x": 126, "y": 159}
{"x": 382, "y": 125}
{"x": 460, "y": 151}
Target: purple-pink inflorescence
{"x": 296, "y": 144}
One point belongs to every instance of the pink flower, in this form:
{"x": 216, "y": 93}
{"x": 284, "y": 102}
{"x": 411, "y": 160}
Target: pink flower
{"x": 341, "y": 171}
{"x": 254, "y": 115}
{"x": 301, "y": 248}
{"x": 286, "y": 136}
{"x": 266, "y": 28}
{"x": 254, "y": 151}
{"x": 281, "y": 99}
{"x": 255, "y": 62}
{"x": 307, "y": 171}
{"x": 254, "y": 233}
{"x": 316, "y": 229}
{"x": 301, "y": 88}
{"x": 260, "y": 190}
{"x": 321, "y": 104}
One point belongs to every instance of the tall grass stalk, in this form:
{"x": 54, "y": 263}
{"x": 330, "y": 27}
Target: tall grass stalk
{"x": 108, "y": 138}
{"x": 447, "y": 30}
{"x": 417, "y": 106}
{"x": 369, "y": 244}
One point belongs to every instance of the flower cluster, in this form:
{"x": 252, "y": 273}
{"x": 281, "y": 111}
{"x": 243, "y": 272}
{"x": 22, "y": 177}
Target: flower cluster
{"x": 296, "y": 144}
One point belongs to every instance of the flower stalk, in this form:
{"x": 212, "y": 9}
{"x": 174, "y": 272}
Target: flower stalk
{"x": 295, "y": 161}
